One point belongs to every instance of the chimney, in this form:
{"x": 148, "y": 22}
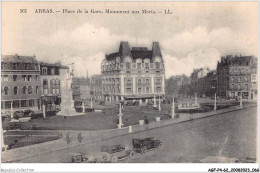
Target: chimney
{"x": 124, "y": 49}
{"x": 156, "y": 49}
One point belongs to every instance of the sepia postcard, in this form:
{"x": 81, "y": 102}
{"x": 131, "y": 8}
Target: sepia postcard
{"x": 129, "y": 82}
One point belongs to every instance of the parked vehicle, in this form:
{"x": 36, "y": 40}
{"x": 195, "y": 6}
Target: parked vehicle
{"x": 143, "y": 145}
{"x": 75, "y": 158}
{"x": 112, "y": 154}
{"x": 28, "y": 113}
{"x": 18, "y": 114}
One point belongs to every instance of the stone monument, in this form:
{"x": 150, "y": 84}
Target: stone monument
{"x": 67, "y": 103}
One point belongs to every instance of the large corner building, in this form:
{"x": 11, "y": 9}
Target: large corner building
{"x": 133, "y": 74}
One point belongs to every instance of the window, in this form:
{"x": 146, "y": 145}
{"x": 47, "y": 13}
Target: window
{"x": 158, "y": 81}
{"x": 5, "y": 77}
{"x": 139, "y": 90}
{"x": 14, "y": 77}
{"x": 15, "y": 90}
{"x": 246, "y": 78}
{"x": 158, "y": 89}
{"x": 239, "y": 86}
{"x": 29, "y": 78}
{"x": 146, "y": 65}
{"x": 24, "y": 89}
{"x": 7, "y": 104}
{"x": 29, "y": 90}
{"x": 26, "y": 66}
{"x": 232, "y": 79}
{"x": 23, "y": 103}
{"x": 52, "y": 71}
{"x": 2, "y": 65}
{"x": 31, "y": 103}
{"x": 128, "y": 66}
{"x": 239, "y": 79}
{"x": 128, "y": 90}
{"x": 157, "y": 65}
{"x": 6, "y": 90}
{"x": 44, "y": 70}
{"x": 139, "y": 81}
{"x": 147, "y": 89}
{"x": 15, "y": 65}
{"x": 45, "y": 82}
{"x": 254, "y": 84}
{"x": 24, "y": 77}
{"x": 147, "y": 81}
{"x": 232, "y": 86}
{"x": 16, "y": 104}
{"x": 139, "y": 65}
{"x": 246, "y": 86}
{"x": 36, "y": 77}
{"x": 37, "y": 89}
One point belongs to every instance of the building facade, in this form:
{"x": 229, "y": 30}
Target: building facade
{"x": 96, "y": 87}
{"x": 81, "y": 89}
{"x": 50, "y": 84}
{"x": 133, "y": 74}
{"x": 236, "y": 76}
{"x": 20, "y": 83}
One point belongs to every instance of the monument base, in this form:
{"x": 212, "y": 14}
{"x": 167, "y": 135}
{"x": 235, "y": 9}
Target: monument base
{"x": 70, "y": 113}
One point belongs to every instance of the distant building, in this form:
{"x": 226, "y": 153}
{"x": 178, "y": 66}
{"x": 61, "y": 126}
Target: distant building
{"x": 237, "y": 75}
{"x": 20, "y": 83}
{"x": 50, "y": 84}
{"x": 81, "y": 89}
{"x": 133, "y": 74}
{"x": 96, "y": 87}
{"x": 199, "y": 81}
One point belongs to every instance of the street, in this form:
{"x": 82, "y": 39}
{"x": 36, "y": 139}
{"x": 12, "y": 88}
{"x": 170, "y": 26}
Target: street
{"x": 231, "y": 135}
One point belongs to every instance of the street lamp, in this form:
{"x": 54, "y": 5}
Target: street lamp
{"x": 120, "y": 122}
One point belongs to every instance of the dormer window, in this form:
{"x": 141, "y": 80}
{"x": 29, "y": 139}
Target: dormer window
{"x": 146, "y": 65}
{"x": 44, "y": 70}
{"x": 15, "y": 65}
{"x": 26, "y": 66}
{"x": 157, "y": 65}
{"x": 52, "y": 71}
{"x": 139, "y": 65}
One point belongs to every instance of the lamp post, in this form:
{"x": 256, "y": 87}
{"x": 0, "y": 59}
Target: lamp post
{"x": 83, "y": 106}
{"x": 12, "y": 115}
{"x": 173, "y": 111}
{"x": 215, "y": 102}
{"x": 91, "y": 104}
{"x": 241, "y": 104}
{"x": 154, "y": 101}
{"x": 44, "y": 110}
{"x": 159, "y": 104}
{"x": 120, "y": 123}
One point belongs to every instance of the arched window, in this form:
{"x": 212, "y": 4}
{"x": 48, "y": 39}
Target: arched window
{"x": 6, "y": 90}
{"x": 24, "y": 89}
{"x": 15, "y": 90}
{"x": 29, "y": 90}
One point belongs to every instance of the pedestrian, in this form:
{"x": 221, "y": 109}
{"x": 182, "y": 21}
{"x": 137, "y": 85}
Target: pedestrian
{"x": 146, "y": 120}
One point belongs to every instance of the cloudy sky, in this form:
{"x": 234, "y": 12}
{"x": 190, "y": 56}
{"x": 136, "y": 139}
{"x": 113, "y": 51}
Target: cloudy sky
{"x": 195, "y": 35}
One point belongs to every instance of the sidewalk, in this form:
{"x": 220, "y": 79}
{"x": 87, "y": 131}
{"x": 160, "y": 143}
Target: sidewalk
{"x": 96, "y": 136}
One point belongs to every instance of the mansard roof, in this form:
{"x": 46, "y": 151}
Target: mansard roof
{"x": 19, "y": 59}
{"x": 135, "y": 52}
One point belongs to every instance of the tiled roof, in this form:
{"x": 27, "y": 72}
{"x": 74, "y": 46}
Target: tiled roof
{"x": 17, "y": 59}
{"x": 141, "y": 54}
